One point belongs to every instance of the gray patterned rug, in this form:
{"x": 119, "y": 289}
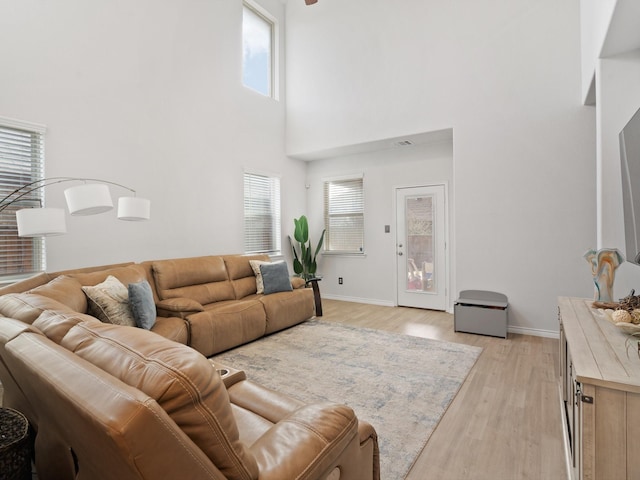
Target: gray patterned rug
{"x": 401, "y": 384}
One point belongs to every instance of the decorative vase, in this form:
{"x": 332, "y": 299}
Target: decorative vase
{"x": 603, "y": 267}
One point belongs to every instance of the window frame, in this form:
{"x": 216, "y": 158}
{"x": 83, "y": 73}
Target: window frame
{"x": 20, "y": 172}
{"x": 275, "y": 195}
{"x": 326, "y": 215}
{"x": 274, "y": 77}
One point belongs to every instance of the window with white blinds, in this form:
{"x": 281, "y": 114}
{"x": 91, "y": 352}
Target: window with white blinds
{"x": 344, "y": 215}
{"x": 261, "y": 214}
{"x": 21, "y": 162}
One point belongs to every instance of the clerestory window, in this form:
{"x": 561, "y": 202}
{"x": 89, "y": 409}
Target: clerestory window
{"x": 258, "y": 58}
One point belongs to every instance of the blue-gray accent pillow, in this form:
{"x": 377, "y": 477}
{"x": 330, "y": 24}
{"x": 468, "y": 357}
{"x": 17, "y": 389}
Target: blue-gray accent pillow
{"x": 275, "y": 277}
{"x": 142, "y": 305}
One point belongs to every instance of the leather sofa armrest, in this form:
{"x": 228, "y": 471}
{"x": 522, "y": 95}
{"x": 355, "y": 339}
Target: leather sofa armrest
{"x": 178, "y": 307}
{"x": 307, "y": 444}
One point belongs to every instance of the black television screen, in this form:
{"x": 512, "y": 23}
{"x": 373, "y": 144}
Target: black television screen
{"x": 630, "y": 163}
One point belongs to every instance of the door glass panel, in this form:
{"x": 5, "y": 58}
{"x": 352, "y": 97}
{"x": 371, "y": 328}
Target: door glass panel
{"x": 419, "y": 216}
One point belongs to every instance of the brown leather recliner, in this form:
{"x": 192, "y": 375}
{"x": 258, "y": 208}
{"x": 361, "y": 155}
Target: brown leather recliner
{"x": 113, "y": 402}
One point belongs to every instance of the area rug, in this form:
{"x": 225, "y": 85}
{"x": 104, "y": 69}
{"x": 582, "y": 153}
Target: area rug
{"x": 400, "y": 384}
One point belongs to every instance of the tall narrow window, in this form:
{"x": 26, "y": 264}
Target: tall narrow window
{"x": 344, "y": 215}
{"x": 257, "y": 50}
{"x": 261, "y": 214}
{"x": 21, "y": 162}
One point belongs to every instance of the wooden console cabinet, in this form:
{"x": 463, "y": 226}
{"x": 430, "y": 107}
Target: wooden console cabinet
{"x": 600, "y": 389}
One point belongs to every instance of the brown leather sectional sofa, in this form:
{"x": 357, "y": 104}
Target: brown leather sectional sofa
{"x": 120, "y": 402}
{"x": 208, "y": 303}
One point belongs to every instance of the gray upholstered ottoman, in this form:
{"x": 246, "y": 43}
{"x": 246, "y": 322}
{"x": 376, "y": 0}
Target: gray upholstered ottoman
{"x": 482, "y": 312}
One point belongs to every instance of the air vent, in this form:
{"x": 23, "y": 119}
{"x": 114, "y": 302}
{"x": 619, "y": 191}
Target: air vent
{"x": 404, "y": 143}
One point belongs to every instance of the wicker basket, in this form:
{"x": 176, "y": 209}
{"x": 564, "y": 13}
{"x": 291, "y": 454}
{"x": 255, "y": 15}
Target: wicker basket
{"x": 15, "y": 445}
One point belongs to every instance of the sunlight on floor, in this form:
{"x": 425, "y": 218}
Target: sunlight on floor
{"x": 421, "y": 330}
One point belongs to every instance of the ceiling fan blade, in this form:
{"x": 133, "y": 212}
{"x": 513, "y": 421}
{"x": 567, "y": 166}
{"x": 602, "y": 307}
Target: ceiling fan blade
{"x": 310, "y": 2}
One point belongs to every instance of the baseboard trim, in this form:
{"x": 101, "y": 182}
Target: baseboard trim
{"x": 368, "y": 301}
{"x": 534, "y": 332}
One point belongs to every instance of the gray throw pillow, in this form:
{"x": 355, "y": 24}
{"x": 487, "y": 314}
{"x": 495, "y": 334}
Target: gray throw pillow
{"x": 275, "y": 277}
{"x": 142, "y": 305}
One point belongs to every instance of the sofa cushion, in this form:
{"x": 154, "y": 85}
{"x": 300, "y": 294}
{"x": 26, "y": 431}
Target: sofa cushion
{"x": 181, "y": 380}
{"x": 142, "y": 305}
{"x": 147, "y": 266}
{"x": 203, "y": 279}
{"x": 66, "y": 290}
{"x": 224, "y": 325}
{"x": 297, "y": 282}
{"x": 307, "y": 443}
{"x": 275, "y": 277}
{"x": 241, "y": 274}
{"x": 172, "y": 328}
{"x": 284, "y": 310}
{"x": 128, "y": 274}
{"x": 178, "y": 307}
{"x": 56, "y": 324}
{"x": 109, "y": 302}
{"x": 238, "y": 266}
{"x": 12, "y": 329}
{"x": 27, "y": 307}
{"x": 26, "y": 284}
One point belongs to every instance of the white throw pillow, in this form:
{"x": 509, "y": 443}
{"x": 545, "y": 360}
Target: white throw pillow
{"x": 255, "y": 266}
{"x": 109, "y": 302}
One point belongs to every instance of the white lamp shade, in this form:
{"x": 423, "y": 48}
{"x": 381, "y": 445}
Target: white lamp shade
{"x": 88, "y": 199}
{"x": 134, "y": 208}
{"x": 40, "y": 222}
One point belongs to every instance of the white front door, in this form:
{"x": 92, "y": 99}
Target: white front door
{"x": 420, "y": 247}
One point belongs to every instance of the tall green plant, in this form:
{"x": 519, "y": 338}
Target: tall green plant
{"x": 304, "y": 258}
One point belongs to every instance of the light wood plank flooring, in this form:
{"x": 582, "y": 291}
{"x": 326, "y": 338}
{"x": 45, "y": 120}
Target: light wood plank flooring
{"x": 505, "y": 422}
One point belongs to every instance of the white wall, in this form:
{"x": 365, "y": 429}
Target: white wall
{"x": 611, "y": 54}
{"x": 147, "y": 94}
{"x": 371, "y": 278}
{"x": 618, "y": 94}
{"x": 506, "y": 76}
{"x": 595, "y": 19}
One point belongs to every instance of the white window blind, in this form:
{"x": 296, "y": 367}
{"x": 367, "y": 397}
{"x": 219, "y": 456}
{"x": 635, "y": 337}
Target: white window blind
{"x": 261, "y": 213}
{"x": 21, "y": 162}
{"x": 344, "y": 215}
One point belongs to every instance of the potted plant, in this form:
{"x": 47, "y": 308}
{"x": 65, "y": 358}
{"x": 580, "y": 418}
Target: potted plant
{"x": 304, "y": 258}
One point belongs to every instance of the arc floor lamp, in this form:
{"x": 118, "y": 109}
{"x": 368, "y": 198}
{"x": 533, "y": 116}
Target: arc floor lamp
{"x": 91, "y": 197}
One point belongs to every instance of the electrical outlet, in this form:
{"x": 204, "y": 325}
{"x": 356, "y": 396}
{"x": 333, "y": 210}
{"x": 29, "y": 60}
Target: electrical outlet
{"x": 339, "y": 280}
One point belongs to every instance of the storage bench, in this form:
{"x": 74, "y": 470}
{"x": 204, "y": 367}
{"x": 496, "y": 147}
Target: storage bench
{"x": 482, "y": 312}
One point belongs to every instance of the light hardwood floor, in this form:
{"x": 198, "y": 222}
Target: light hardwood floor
{"x": 505, "y": 422}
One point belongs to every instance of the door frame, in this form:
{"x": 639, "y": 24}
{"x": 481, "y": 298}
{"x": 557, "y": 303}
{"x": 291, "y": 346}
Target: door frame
{"x": 447, "y": 247}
